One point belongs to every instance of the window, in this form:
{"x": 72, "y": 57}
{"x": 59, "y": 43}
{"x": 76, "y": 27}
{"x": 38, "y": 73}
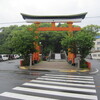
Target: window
{"x": 98, "y": 55}
{"x": 98, "y": 43}
{"x": 94, "y": 55}
{"x": 98, "y": 48}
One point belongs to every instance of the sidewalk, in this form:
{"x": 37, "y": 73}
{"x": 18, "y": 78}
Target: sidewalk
{"x": 57, "y": 66}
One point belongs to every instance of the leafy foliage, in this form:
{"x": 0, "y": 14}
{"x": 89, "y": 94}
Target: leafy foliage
{"x": 81, "y": 42}
{"x": 84, "y": 42}
{"x": 51, "y": 40}
{"x": 5, "y": 32}
{"x": 91, "y": 29}
{"x": 21, "y": 40}
{"x": 11, "y": 38}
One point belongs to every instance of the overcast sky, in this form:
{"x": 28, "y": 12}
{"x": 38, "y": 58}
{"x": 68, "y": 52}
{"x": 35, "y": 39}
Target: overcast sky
{"x": 10, "y": 9}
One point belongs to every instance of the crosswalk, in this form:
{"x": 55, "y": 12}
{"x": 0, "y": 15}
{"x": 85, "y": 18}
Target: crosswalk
{"x": 55, "y": 87}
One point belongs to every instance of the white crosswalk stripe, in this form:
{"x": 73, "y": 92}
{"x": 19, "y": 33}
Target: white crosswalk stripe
{"x": 55, "y": 93}
{"x": 60, "y": 87}
{"x": 66, "y": 80}
{"x": 61, "y": 83}
{"x": 23, "y": 96}
{"x": 55, "y": 87}
{"x": 68, "y": 75}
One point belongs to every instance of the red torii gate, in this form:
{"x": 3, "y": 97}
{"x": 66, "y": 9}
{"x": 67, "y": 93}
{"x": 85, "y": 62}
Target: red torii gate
{"x": 69, "y": 19}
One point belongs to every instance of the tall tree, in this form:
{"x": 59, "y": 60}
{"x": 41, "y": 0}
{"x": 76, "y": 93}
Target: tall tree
{"x": 22, "y": 41}
{"x": 51, "y": 40}
{"x": 91, "y": 29}
{"x": 5, "y": 32}
{"x": 81, "y": 42}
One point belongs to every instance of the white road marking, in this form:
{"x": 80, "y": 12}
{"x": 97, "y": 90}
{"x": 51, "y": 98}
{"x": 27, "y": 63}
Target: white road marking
{"x": 60, "y": 87}
{"x": 56, "y": 83}
{"x": 94, "y": 71}
{"x": 66, "y": 80}
{"x": 57, "y": 93}
{"x": 68, "y": 75}
{"x": 24, "y": 97}
{"x": 61, "y": 83}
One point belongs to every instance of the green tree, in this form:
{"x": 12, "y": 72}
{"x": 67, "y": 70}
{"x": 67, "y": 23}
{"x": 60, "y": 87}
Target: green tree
{"x": 84, "y": 42}
{"x": 91, "y": 29}
{"x": 81, "y": 42}
{"x": 22, "y": 41}
{"x": 5, "y": 32}
{"x": 51, "y": 40}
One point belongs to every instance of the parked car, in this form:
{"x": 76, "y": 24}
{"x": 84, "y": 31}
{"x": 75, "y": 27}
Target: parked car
{"x": 1, "y": 58}
{"x": 4, "y": 56}
{"x": 16, "y": 56}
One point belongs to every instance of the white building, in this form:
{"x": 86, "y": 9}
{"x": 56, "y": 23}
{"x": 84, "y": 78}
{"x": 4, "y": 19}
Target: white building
{"x": 97, "y": 44}
{"x": 95, "y": 52}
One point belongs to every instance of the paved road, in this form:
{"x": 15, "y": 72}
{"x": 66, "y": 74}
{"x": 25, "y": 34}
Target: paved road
{"x": 11, "y": 75}
{"x": 96, "y": 67}
{"x": 16, "y": 84}
{"x": 55, "y": 87}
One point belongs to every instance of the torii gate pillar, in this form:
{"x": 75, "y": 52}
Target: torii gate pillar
{"x": 71, "y": 56}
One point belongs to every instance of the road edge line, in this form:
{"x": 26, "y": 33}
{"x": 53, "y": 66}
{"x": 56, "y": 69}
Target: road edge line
{"x": 97, "y": 70}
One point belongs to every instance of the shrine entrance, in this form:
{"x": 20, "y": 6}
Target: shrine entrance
{"x": 69, "y": 19}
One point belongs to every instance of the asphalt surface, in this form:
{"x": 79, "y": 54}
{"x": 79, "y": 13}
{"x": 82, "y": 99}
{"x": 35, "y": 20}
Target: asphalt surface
{"x": 11, "y": 77}
{"x": 96, "y": 74}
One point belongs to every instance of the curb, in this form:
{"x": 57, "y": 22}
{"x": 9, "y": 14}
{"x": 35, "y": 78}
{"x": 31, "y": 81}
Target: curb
{"x": 69, "y": 70}
{"x": 60, "y": 70}
{"x": 84, "y": 70}
{"x": 23, "y": 67}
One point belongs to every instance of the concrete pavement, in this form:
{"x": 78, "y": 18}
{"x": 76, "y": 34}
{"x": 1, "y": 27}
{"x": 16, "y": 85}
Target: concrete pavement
{"x": 55, "y": 66}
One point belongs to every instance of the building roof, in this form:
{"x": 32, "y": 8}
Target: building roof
{"x": 54, "y": 18}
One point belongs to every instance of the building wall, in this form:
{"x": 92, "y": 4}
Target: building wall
{"x": 97, "y": 44}
{"x": 95, "y": 55}
{"x": 96, "y": 50}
